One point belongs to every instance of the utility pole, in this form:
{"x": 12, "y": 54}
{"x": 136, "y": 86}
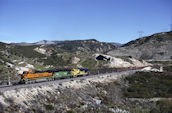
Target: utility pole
{"x": 9, "y": 82}
{"x": 161, "y": 68}
{"x": 171, "y": 20}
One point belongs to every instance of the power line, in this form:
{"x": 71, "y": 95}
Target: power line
{"x": 140, "y": 33}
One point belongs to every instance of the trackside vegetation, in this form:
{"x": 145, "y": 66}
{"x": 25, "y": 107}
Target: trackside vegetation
{"x": 149, "y": 85}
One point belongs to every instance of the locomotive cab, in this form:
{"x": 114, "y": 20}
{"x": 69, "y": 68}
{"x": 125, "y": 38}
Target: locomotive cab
{"x": 27, "y": 72}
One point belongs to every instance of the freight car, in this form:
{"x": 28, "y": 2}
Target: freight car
{"x": 30, "y": 77}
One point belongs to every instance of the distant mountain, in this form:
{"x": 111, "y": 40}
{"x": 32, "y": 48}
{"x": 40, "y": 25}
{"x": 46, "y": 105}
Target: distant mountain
{"x": 46, "y": 42}
{"x": 22, "y": 43}
{"x": 116, "y": 44}
{"x": 157, "y": 46}
{"x": 42, "y": 42}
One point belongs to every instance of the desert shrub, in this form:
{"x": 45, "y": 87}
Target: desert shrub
{"x": 25, "y": 51}
{"x": 49, "y": 107}
{"x": 56, "y": 60}
{"x": 2, "y": 46}
{"x": 165, "y": 106}
{"x": 168, "y": 68}
{"x": 70, "y": 111}
{"x": 116, "y": 83}
{"x": 148, "y": 85}
{"x": 154, "y": 110}
{"x": 4, "y": 58}
{"x": 89, "y": 63}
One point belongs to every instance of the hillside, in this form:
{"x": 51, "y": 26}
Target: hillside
{"x": 90, "y": 54}
{"x": 121, "y": 92}
{"x": 157, "y": 46}
{"x": 16, "y": 58}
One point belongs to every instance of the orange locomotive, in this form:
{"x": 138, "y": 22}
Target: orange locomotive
{"x": 29, "y": 76}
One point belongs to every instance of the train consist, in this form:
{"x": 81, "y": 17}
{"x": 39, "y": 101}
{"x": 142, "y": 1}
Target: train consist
{"x": 32, "y": 77}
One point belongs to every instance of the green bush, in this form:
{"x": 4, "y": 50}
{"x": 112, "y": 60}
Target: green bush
{"x": 168, "y": 68}
{"x": 2, "y": 46}
{"x": 69, "y": 111}
{"x": 155, "y": 111}
{"x": 148, "y": 85}
{"x": 4, "y": 58}
{"x": 26, "y": 51}
{"x": 165, "y": 106}
{"x": 56, "y": 60}
{"x": 49, "y": 107}
{"x": 89, "y": 63}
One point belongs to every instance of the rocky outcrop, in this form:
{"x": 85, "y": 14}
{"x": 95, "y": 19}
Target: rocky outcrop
{"x": 40, "y": 50}
{"x": 121, "y": 62}
{"x": 148, "y": 69}
{"x": 75, "y": 60}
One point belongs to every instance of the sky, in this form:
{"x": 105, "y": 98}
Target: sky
{"x": 105, "y": 20}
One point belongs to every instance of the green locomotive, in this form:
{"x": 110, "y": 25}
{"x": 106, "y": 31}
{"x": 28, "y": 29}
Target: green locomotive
{"x": 61, "y": 74}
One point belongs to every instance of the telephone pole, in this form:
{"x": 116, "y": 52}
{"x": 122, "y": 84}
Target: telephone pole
{"x": 9, "y": 81}
{"x": 171, "y": 21}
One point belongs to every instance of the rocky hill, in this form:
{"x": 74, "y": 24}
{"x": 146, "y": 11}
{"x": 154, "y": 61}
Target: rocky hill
{"x": 90, "y": 45}
{"x": 157, "y": 46}
{"x": 16, "y": 58}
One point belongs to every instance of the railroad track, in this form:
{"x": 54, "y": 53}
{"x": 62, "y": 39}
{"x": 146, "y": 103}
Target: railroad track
{"x": 18, "y": 86}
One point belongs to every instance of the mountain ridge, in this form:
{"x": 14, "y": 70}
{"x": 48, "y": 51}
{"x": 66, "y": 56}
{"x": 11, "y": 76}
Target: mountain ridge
{"x": 54, "y": 42}
{"x": 157, "y": 46}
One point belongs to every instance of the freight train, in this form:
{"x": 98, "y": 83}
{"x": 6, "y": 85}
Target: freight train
{"x": 32, "y": 77}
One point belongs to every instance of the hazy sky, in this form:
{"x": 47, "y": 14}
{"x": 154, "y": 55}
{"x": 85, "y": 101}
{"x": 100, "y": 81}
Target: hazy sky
{"x": 104, "y": 20}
